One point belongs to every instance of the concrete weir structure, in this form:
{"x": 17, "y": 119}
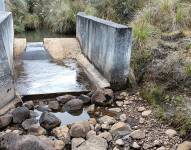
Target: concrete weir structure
{"x": 7, "y": 91}
{"x": 107, "y": 45}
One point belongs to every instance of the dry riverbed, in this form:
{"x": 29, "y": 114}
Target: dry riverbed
{"x": 100, "y": 120}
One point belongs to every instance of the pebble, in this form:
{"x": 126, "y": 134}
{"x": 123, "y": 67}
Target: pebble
{"x": 123, "y": 117}
{"x": 135, "y": 145}
{"x": 141, "y": 109}
{"x": 146, "y": 113}
{"x": 119, "y": 103}
{"x": 171, "y": 132}
{"x": 138, "y": 134}
{"x": 161, "y": 148}
{"x": 141, "y": 120}
{"x": 119, "y": 142}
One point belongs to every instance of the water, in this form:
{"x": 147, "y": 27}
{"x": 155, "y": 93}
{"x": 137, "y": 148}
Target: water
{"x": 39, "y": 75}
{"x": 68, "y": 118}
{"x": 39, "y": 35}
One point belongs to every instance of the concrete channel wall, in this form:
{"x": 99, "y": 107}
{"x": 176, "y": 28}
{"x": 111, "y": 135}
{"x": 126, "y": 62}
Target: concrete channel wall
{"x": 107, "y": 45}
{"x": 2, "y": 5}
{"x": 7, "y": 92}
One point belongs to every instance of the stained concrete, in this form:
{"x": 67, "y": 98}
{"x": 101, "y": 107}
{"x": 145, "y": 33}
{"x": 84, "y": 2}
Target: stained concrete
{"x": 7, "y": 91}
{"x": 107, "y": 45}
{"x": 2, "y": 5}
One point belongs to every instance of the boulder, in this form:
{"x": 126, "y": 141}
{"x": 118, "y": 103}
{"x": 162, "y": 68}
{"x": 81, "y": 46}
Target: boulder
{"x": 93, "y": 143}
{"x": 73, "y": 105}
{"x": 120, "y": 130}
{"x": 28, "y": 123}
{"x": 62, "y": 133}
{"x": 29, "y": 105}
{"x": 5, "y": 120}
{"x": 99, "y": 98}
{"x": 49, "y": 121}
{"x": 20, "y": 114}
{"x": 76, "y": 142}
{"x": 80, "y": 129}
{"x": 64, "y": 99}
{"x": 53, "y": 105}
{"x": 36, "y": 130}
{"x": 14, "y": 141}
{"x": 86, "y": 99}
{"x": 90, "y": 134}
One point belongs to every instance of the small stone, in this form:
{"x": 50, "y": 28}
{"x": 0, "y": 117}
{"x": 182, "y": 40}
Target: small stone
{"x": 123, "y": 117}
{"x": 138, "y": 134}
{"x": 141, "y": 109}
{"x": 141, "y": 120}
{"x": 106, "y": 135}
{"x": 54, "y": 105}
{"x": 163, "y": 148}
{"x": 97, "y": 127}
{"x": 43, "y": 109}
{"x": 107, "y": 120}
{"x": 186, "y": 145}
{"x": 156, "y": 143}
{"x": 147, "y": 146}
{"x": 120, "y": 129}
{"x": 20, "y": 114}
{"x": 115, "y": 148}
{"x": 17, "y": 131}
{"x": 115, "y": 110}
{"x": 171, "y": 132}
{"x": 86, "y": 99}
{"x": 90, "y": 134}
{"x": 105, "y": 127}
{"x": 80, "y": 129}
{"x": 123, "y": 94}
{"x": 135, "y": 145}
{"x": 62, "y": 133}
{"x": 119, "y": 142}
{"x": 119, "y": 103}
{"x": 127, "y": 102}
{"x": 146, "y": 113}
{"x": 92, "y": 121}
{"x": 29, "y": 105}
{"x": 90, "y": 109}
{"x": 49, "y": 121}
{"x": 36, "y": 130}
{"x": 99, "y": 98}
{"x": 28, "y": 123}
{"x": 5, "y": 120}
{"x": 8, "y": 131}
{"x": 58, "y": 144}
{"x": 73, "y": 105}
{"x": 64, "y": 99}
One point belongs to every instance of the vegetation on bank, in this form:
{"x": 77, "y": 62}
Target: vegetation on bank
{"x": 161, "y": 54}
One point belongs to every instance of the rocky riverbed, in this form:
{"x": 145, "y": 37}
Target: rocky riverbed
{"x": 114, "y": 121}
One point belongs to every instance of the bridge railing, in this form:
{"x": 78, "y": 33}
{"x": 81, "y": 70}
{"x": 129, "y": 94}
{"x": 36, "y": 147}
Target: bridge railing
{"x": 107, "y": 45}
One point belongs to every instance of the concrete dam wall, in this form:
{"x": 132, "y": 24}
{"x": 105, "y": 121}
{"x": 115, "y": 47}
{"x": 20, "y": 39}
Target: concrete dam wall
{"x": 2, "y": 5}
{"x": 107, "y": 45}
{"x": 7, "y": 92}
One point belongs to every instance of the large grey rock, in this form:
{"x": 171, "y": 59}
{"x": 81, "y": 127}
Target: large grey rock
{"x": 76, "y": 142}
{"x": 20, "y": 114}
{"x": 5, "y": 120}
{"x": 94, "y": 143}
{"x": 86, "y": 99}
{"x": 49, "y": 121}
{"x": 29, "y": 105}
{"x": 102, "y": 97}
{"x": 74, "y": 105}
{"x": 12, "y": 141}
{"x": 53, "y": 105}
{"x": 120, "y": 130}
{"x": 64, "y": 99}
{"x": 80, "y": 129}
{"x": 28, "y": 123}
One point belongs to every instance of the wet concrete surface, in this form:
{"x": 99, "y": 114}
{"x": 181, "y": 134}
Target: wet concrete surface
{"x": 38, "y": 74}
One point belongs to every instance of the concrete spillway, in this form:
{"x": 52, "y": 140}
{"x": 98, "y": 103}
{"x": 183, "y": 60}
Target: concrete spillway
{"x": 38, "y": 74}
